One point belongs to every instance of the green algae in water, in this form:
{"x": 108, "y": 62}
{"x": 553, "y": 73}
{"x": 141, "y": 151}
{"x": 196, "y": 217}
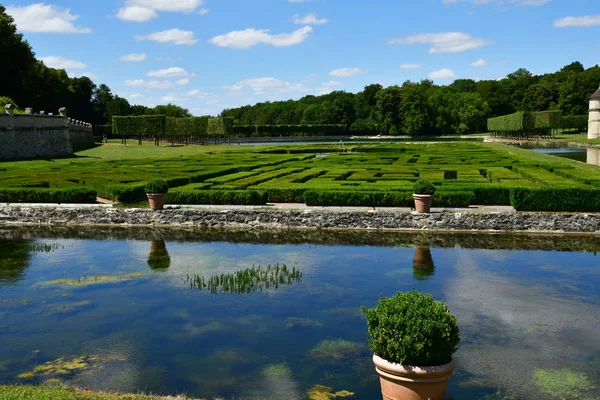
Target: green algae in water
{"x": 277, "y": 370}
{"x": 294, "y": 322}
{"x": 320, "y": 392}
{"x": 60, "y": 367}
{"x": 332, "y": 350}
{"x": 94, "y": 280}
{"x": 563, "y": 383}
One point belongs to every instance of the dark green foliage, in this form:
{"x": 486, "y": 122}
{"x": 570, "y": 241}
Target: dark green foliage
{"x": 577, "y": 123}
{"x": 192, "y": 127}
{"x": 548, "y": 119}
{"x": 142, "y": 126}
{"x": 218, "y": 197}
{"x": 424, "y": 186}
{"x": 518, "y": 121}
{"x": 450, "y": 175}
{"x": 556, "y": 199}
{"x": 412, "y": 329}
{"x": 67, "y": 195}
{"x": 290, "y": 130}
{"x": 102, "y": 130}
{"x": 220, "y": 127}
{"x": 157, "y": 186}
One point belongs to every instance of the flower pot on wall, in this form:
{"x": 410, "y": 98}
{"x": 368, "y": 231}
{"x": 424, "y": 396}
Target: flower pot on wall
{"x": 423, "y": 202}
{"x": 156, "y": 200}
{"x": 404, "y": 382}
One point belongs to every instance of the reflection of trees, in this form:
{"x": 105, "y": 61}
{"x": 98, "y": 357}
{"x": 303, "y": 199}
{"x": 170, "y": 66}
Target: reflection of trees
{"x": 14, "y": 259}
{"x": 159, "y": 259}
{"x": 423, "y": 266}
{"x": 248, "y": 280}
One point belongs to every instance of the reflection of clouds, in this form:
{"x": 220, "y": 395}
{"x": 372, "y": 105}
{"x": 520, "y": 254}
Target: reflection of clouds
{"x": 509, "y": 329}
{"x": 275, "y": 382}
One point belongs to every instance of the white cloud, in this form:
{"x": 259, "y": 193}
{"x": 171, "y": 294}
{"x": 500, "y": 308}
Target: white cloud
{"x": 267, "y": 85}
{"x": 173, "y": 72}
{"x": 578, "y": 22}
{"x": 328, "y": 87}
{"x": 133, "y": 57}
{"x": 195, "y": 94}
{"x": 168, "y": 58}
{"x": 40, "y": 17}
{"x": 135, "y": 96}
{"x": 62, "y": 63}
{"x": 182, "y": 82}
{"x": 346, "y": 72}
{"x": 146, "y": 10}
{"x": 309, "y": 19}
{"x": 154, "y": 84}
{"x": 533, "y": 3}
{"x": 444, "y": 42}
{"x": 479, "y": 63}
{"x": 203, "y": 11}
{"x": 90, "y": 75}
{"x": 443, "y": 73}
{"x": 251, "y": 37}
{"x": 410, "y": 66}
{"x": 175, "y": 36}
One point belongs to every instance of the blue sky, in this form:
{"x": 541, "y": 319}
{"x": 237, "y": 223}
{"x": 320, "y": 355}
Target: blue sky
{"x": 207, "y": 55}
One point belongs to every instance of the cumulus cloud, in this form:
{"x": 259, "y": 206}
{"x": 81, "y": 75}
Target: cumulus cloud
{"x": 195, "y": 94}
{"x": 146, "y": 10}
{"x": 479, "y": 63}
{"x": 203, "y": 11}
{"x": 267, "y": 85}
{"x": 251, "y": 37}
{"x": 133, "y": 57}
{"x": 410, "y": 66}
{"x": 309, "y": 19}
{"x": 328, "y": 87}
{"x": 175, "y": 36}
{"x": 182, "y": 82}
{"x": 578, "y": 22}
{"x": 40, "y": 17}
{"x": 173, "y": 72}
{"x": 444, "y": 42}
{"x": 444, "y": 73}
{"x": 346, "y": 72}
{"x": 154, "y": 84}
{"x": 62, "y": 63}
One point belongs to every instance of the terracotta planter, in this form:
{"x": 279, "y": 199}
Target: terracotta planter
{"x": 404, "y": 382}
{"x": 423, "y": 202}
{"x": 156, "y": 200}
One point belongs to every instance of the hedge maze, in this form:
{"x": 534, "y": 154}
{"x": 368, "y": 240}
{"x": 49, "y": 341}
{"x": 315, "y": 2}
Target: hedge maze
{"x": 368, "y": 175}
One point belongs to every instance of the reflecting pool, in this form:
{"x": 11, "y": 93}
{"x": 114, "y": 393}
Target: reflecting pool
{"x": 271, "y": 314}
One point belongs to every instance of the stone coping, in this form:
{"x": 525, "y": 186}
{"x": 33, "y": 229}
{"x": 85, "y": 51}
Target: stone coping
{"x": 302, "y": 219}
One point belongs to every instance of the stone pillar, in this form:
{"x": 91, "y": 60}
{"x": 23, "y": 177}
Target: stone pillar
{"x": 594, "y": 120}
{"x": 29, "y": 110}
{"x": 10, "y": 109}
{"x": 63, "y": 111}
{"x": 593, "y": 156}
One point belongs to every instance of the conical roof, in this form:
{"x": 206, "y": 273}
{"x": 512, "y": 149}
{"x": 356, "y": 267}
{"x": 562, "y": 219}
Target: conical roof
{"x": 596, "y": 96}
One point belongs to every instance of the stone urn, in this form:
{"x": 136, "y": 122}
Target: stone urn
{"x": 423, "y": 202}
{"x": 156, "y": 200}
{"x": 405, "y": 382}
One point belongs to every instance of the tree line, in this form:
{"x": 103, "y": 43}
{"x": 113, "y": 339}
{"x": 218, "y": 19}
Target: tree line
{"x": 28, "y": 82}
{"x": 423, "y": 108}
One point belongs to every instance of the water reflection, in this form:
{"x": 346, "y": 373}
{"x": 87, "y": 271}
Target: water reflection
{"x": 159, "y": 259}
{"x": 423, "y": 266}
{"x": 14, "y": 259}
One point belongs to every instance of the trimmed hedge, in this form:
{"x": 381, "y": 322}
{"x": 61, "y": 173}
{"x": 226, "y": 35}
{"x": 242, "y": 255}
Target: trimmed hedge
{"x": 194, "y": 127}
{"x": 548, "y": 119}
{"x": 37, "y": 195}
{"x": 290, "y": 130}
{"x": 525, "y": 121}
{"x": 220, "y": 127}
{"x": 383, "y": 199}
{"x": 578, "y": 123}
{"x": 218, "y": 197}
{"x": 144, "y": 126}
{"x": 555, "y": 199}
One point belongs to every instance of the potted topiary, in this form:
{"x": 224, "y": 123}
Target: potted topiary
{"x": 413, "y": 338}
{"x": 423, "y": 195}
{"x": 156, "y": 192}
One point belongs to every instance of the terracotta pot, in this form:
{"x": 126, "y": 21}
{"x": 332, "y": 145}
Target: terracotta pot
{"x": 156, "y": 200}
{"x": 405, "y": 382}
{"x": 423, "y": 202}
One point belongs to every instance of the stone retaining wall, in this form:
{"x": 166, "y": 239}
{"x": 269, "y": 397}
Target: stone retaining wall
{"x": 299, "y": 219}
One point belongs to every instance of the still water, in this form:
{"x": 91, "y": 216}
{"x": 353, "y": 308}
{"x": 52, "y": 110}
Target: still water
{"x": 589, "y": 156}
{"x": 122, "y": 310}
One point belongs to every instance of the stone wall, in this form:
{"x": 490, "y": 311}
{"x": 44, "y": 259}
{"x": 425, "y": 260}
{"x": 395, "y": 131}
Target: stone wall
{"x": 299, "y": 219}
{"x": 29, "y": 136}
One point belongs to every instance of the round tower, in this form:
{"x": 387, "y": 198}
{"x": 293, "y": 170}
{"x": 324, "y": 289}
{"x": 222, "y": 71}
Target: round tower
{"x": 594, "y": 121}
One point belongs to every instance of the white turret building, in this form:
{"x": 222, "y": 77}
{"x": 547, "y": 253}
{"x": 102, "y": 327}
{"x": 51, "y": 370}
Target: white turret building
{"x": 594, "y": 121}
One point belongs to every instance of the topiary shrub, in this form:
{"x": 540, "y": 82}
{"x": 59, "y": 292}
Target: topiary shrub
{"x": 424, "y": 186}
{"x": 412, "y": 329}
{"x": 157, "y": 187}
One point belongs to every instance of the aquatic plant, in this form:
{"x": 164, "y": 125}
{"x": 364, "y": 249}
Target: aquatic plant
{"x": 94, "y": 280}
{"x": 333, "y": 350}
{"x": 60, "y": 367}
{"x": 563, "y": 383}
{"x": 294, "y": 322}
{"x": 320, "y": 392}
{"x": 45, "y": 247}
{"x": 248, "y": 280}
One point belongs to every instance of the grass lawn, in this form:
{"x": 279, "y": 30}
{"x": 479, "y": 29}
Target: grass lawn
{"x": 63, "y": 393}
{"x": 225, "y": 174}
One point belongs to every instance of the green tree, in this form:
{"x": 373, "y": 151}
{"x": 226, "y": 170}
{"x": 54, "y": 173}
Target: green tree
{"x": 387, "y": 108}
{"x": 172, "y": 110}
